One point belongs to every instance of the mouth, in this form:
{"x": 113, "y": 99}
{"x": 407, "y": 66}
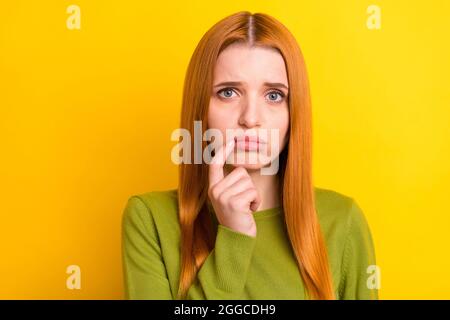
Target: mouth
{"x": 249, "y": 143}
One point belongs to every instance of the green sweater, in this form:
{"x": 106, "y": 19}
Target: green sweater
{"x": 241, "y": 266}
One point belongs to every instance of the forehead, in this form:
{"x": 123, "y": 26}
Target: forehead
{"x": 239, "y": 62}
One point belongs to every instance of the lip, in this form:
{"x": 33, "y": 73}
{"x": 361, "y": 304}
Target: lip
{"x": 248, "y": 143}
{"x": 247, "y": 138}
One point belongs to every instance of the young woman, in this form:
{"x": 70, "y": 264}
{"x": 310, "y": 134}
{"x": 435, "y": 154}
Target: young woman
{"x": 229, "y": 231}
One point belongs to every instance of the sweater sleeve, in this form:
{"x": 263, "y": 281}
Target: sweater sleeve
{"x": 222, "y": 275}
{"x": 144, "y": 271}
{"x": 224, "y": 272}
{"x": 360, "y": 275}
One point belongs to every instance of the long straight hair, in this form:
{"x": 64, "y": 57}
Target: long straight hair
{"x": 297, "y": 191}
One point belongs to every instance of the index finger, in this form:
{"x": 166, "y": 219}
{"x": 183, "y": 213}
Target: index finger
{"x": 217, "y": 163}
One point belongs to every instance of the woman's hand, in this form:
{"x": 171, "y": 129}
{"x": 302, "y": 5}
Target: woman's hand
{"x": 233, "y": 197}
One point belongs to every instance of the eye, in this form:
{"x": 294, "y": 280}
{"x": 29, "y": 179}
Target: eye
{"x": 227, "y": 92}
{"x": 273, "y": 96}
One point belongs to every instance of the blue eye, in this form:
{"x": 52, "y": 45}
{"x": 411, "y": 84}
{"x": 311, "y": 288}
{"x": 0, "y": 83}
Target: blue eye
{"x": 273, "y": 94}
{"x": 228, "y": 92}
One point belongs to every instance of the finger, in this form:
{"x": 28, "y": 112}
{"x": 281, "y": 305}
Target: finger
{"x": 217, "y": 163}
{"x": 237, "y": 187}
{"x": 249, "y": 196}
{"x": 256, "y": 203}
{"x": 237, "y": 174}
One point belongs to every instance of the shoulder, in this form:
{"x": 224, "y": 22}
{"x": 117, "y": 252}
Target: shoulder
{"x": 158, "y": 200}
{"x": 346, "y": 232}
{"x": 153, "y": 208}
{"x": 339, "y": 214}
{"x": 329, "y": 201}
{"x": 332, "y": 206}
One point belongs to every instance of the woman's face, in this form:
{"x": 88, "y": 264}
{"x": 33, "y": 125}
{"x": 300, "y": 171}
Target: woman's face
{"x": 250, "y": 97}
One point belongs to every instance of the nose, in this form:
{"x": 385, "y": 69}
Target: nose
{"x": 250, "y": 114}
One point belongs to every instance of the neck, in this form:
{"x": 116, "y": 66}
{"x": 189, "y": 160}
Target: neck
{"x": 267, "y": 186}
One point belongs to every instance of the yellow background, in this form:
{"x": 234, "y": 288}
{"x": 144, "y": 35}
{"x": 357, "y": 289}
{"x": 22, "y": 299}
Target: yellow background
{"x": 86, "y": 117}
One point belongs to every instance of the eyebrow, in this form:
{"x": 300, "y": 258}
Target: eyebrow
{"x": 266, "y": 84}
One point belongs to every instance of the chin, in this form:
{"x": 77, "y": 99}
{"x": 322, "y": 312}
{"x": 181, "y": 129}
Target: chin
{"x": 256, "y": 164}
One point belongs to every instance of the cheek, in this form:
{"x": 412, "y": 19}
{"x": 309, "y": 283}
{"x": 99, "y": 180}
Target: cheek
{"x": 281, "y": 122}
{"x": 213, "y": 116}
{"x": 219, "y": 117}
{"x": 285, "y": 127}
